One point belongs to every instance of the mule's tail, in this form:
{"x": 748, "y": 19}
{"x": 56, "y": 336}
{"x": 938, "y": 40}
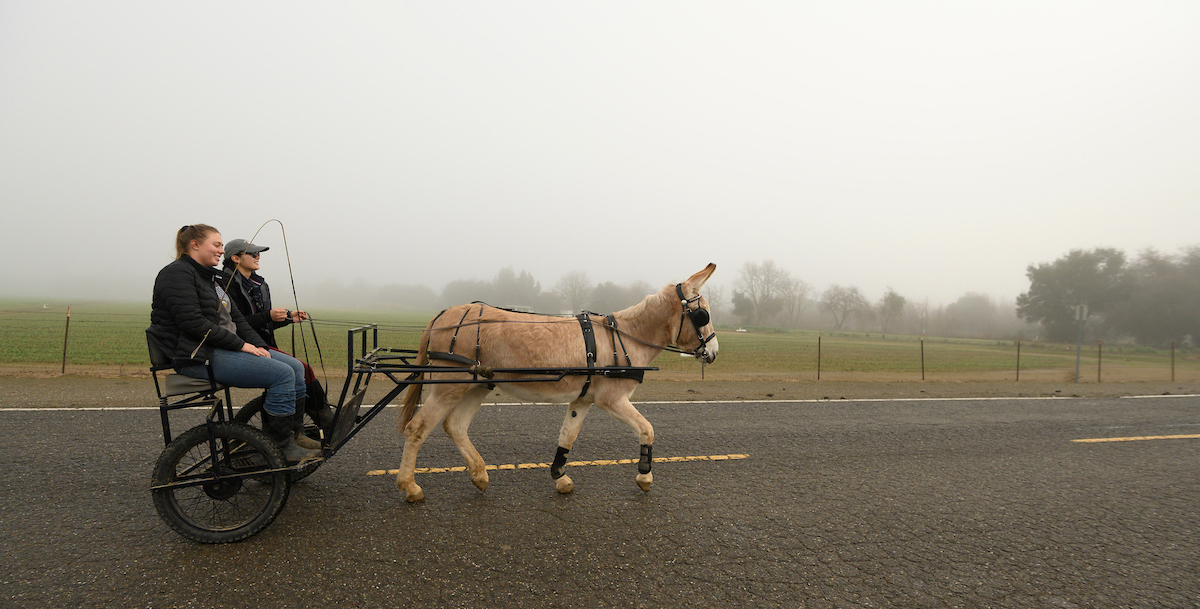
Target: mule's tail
{"x": 413, "y": 398}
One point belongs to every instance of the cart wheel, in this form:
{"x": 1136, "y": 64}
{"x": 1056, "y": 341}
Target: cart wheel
{"x": 250, "y": 415}
{"x": 232, "y": 508}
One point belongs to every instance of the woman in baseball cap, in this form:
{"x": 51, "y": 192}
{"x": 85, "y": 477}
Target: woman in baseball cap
{"x": 252, "y": 295}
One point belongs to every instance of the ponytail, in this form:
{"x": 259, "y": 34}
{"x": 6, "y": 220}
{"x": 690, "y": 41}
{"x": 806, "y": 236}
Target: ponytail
{"x": 189, "y": 233}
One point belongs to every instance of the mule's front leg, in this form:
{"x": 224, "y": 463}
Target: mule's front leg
{"x": 623, "y": 410}
{"x": 645, "y": 478}
{"x": 566, "y": 439}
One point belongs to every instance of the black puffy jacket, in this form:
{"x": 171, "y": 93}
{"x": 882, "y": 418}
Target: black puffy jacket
{"x": 184, "y": 315}
{"x": 261, "y": 321}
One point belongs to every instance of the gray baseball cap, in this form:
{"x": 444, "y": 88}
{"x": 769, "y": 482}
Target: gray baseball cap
{"x": 237, "y": 247}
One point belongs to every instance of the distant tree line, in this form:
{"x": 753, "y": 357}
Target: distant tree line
{"x": 765, "y": 295}
{"x": 508, "y": 288}
{"x": 1153, "y": 300}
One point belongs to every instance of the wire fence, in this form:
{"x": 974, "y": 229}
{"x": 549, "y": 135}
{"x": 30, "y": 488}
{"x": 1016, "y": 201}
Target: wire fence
{"x": 90, "y": 335}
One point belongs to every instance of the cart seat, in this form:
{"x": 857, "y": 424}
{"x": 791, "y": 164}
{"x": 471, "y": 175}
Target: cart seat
{"x": 177, "y": 391}
{"x": 173, "y": 383}
{"x": 177, "y": 384}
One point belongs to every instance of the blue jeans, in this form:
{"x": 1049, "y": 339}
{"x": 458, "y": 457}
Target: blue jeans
{"x": 281, "y": 374}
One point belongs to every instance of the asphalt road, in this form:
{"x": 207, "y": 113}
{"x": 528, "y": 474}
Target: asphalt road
{"x": 961, "y": 503}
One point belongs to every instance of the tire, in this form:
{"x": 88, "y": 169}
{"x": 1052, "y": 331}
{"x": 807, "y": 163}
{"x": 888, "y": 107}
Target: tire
{"x": 232, "y": 509}
{"x": 250, "y": 414}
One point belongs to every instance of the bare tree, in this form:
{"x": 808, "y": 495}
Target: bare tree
{"x": 757, "y": 290}
{"x": 841, "y": 302}
{"x": 574, "y": 289}
{"x": 796, "y": 295}
{"x": 716, "y": 298}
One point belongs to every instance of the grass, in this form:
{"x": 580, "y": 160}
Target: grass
{"x": 108, "y": 334}
{"x": 114, "y": 333}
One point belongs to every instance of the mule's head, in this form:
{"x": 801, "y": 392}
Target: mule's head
{"x": 696, "y": 332}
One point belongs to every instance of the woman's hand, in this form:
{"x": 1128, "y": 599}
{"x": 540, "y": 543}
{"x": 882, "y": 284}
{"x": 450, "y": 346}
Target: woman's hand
{"x": 252, "y": 350}
{"x": 281, "y": 314}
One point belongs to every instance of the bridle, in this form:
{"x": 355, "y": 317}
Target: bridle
{"x": 699, "y": 317}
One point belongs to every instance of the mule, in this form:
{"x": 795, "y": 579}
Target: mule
{"x": 489, "y": 338}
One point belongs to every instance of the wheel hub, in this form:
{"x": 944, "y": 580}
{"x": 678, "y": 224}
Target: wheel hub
{"x": 223, "y": 489}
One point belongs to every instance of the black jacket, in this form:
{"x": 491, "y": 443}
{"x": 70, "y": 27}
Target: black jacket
{"x": 261, "y": 320}
{"x": 184, "y": 315}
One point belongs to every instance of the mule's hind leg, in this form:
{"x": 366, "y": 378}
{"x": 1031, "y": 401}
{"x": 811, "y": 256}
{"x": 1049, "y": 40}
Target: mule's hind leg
{"x": 622, "y": 409}
{"x": 456, "y": 425}
{"x": 431, "y": 413}
{"x": 566, "y": 439}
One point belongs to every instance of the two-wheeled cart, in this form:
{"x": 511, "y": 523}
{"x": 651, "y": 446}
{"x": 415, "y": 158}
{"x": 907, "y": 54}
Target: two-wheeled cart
{"x": 224, "y": 480}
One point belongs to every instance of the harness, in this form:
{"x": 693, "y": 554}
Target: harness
{"x": 589, "y": 345}
{"x": 451, "y": 356}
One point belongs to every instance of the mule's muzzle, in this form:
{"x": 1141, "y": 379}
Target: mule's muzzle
{"x": 708, "y": 351}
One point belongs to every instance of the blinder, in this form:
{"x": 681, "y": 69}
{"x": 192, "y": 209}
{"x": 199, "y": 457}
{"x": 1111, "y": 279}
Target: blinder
{"x": 699, "y": 317}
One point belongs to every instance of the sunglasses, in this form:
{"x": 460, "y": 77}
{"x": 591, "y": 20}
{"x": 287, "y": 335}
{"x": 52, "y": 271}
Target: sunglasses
{"x": 254, "y": 255}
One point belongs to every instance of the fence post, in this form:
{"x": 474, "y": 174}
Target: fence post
{"x": 818, "y": 355}
{"x": 1172, "y": 361}
{"x": 67, "y": 333}
{"x": 1099, "y": 357}
{"x": 1018, "y": 360}
{"x": 922, "y": 357}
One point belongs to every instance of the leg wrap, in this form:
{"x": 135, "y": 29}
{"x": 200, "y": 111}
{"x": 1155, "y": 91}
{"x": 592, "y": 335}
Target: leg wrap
{"x": 646, "y": 460}
{"x": 560, "y": 459}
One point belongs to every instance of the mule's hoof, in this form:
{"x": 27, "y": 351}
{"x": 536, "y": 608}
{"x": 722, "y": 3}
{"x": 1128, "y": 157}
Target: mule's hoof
{"x": 565, "y": 485}
{"x": 645, "y": 480}
{"x": 481, "y": 484}
{"x": 413, "y": 494}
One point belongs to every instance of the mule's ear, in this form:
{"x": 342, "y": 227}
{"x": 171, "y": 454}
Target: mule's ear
{"x": 698, "y": 279}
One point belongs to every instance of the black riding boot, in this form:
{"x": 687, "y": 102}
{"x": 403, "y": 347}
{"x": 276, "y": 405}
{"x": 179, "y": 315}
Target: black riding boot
{"x": 298, "y": 427}
{"x": 318, "y": 406}
{"x": 279, "y": 429}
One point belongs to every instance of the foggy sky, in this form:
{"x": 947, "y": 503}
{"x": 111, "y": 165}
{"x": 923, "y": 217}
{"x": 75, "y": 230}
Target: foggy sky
{"x": 935, "y": 147}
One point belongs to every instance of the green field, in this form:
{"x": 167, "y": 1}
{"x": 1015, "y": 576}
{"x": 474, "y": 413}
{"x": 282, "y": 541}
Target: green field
{"x": 112, "y": 334}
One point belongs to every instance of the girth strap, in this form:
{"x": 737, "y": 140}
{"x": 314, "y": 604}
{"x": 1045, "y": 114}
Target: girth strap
{"x": 589, "y": 344}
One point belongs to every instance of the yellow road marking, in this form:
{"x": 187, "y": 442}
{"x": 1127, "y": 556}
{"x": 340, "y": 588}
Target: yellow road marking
{"x": 1136, "y": 438}
{"x": 516, "y": 466}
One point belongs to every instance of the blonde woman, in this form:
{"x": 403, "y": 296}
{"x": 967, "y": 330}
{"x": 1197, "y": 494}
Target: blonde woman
{"x": 194, "y": 321}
